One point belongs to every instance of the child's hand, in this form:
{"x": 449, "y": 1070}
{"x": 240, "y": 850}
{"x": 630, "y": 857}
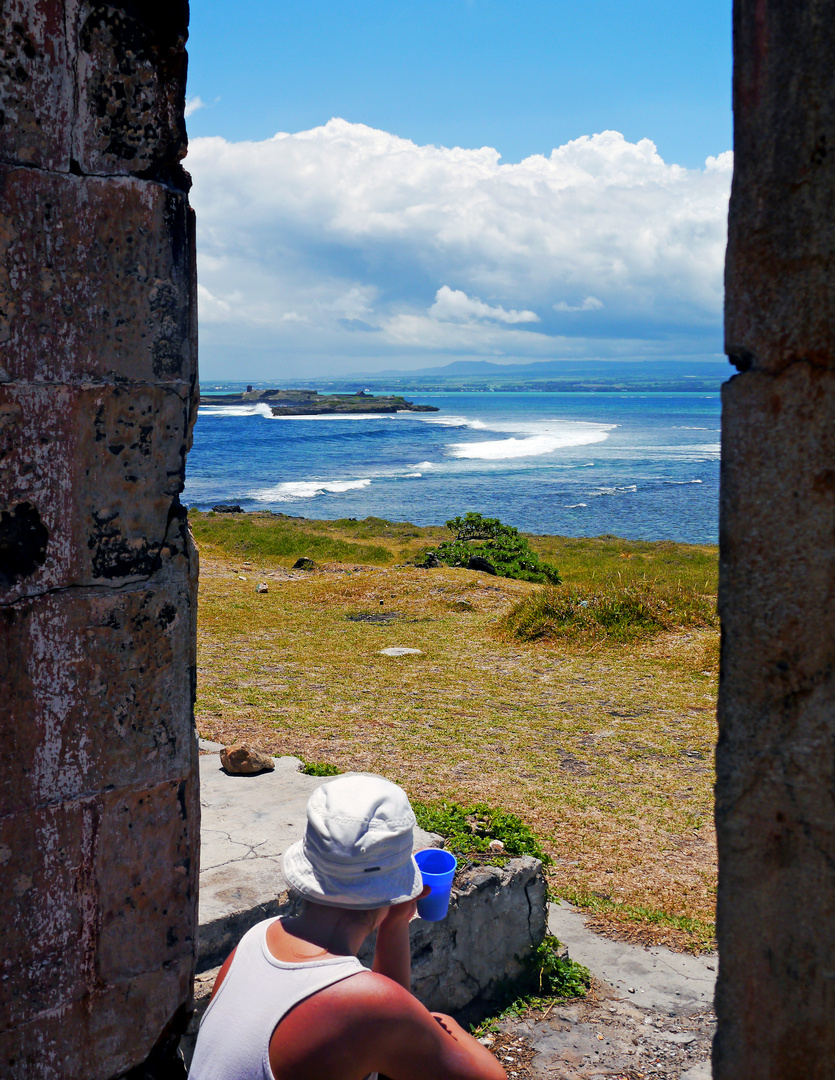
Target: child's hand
{"x": 403, "y": 913}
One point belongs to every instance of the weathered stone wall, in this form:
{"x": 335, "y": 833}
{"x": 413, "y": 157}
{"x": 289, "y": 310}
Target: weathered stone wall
{"x": 776, "y": 755}
{"x": 99, "y": 815}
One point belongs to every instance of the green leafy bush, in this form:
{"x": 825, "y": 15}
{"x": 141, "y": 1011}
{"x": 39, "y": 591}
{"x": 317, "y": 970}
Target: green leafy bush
{"x": 468, "y": 830}
{"x": 501, "y": 545}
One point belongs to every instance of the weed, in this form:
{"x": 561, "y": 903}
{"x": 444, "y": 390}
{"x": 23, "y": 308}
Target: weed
{"x": 469, "y": 830}
{"x": 558, "y": 975}
{"x": 313, "y": 768}
{"x": 552, "y": 975}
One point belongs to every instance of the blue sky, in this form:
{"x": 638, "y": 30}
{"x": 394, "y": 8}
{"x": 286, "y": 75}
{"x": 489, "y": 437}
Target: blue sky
{"x": 371, "y": 243}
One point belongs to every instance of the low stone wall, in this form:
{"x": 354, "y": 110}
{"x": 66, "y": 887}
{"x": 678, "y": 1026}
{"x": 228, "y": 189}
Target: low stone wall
{"x": 497, "y": 917}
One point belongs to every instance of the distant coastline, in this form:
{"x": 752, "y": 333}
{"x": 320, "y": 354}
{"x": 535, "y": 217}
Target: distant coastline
{"x": 312, "y": 403}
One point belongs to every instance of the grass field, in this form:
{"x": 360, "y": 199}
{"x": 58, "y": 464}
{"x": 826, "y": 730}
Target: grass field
{"x": 587, "y": 709}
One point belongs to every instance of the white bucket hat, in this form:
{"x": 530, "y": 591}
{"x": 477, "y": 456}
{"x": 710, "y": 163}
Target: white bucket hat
{"x": 357, "y": 848}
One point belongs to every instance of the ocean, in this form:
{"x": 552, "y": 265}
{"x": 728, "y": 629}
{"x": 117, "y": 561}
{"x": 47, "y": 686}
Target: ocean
{"x": 639, "y": 466}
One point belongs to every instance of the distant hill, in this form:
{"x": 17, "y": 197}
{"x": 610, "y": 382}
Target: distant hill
{"x": 617, "y": 370}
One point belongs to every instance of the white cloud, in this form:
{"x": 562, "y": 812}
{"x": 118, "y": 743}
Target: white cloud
{"x": 355, "y": 304}
{"x": 342, "y": 241}
{"x": 591, "y": 303}
{"x": 453, "y": 305}
{"x": 721, "y": 163}
{"x": 212, "y": 308}
{"x": 193, "y": 104}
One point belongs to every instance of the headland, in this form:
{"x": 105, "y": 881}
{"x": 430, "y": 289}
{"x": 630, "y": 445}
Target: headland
{"x": 312, "y": 403}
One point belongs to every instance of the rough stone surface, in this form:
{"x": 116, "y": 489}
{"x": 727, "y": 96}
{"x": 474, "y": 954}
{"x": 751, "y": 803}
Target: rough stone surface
{"x": 496, "y": 919}
{"x": 131, "y": 64}
{"x": 99, "y": 809}
{"x": 478, "y": 562}
{"x": 36, "y": 85}
{"x": 604, "y": 1037}
{"x": 656, "y": 978}
{"x": 95, "y": 280}
{"x": 75, "y": 657}
{"x": 95, "y": 88}
{"x": 775, "y": 809}
{"x": 246, "y": 759}
{"x": 780, "y": 289}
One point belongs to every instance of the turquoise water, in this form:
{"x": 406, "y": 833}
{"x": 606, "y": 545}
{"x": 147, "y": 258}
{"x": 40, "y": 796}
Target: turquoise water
{"x": 641, "y": 466}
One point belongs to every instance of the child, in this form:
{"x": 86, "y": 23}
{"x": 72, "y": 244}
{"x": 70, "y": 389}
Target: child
{"x": 292, "y": 1002}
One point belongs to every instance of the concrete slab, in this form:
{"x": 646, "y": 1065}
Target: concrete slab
{"x": 654, "y": 978}
{"x": 247, "y": 823}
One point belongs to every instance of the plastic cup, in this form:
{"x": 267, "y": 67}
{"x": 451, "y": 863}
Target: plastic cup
{"x": 437, "y": 868}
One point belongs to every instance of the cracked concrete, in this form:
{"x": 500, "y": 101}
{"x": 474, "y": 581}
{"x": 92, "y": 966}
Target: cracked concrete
{"x": 655, "y": 978}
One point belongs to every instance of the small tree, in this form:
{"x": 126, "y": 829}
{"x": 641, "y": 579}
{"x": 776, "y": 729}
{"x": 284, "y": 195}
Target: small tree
{"x": 501, "y": 545}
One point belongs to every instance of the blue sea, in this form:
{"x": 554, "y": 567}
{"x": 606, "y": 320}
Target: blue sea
{"x": 639, "y": 466}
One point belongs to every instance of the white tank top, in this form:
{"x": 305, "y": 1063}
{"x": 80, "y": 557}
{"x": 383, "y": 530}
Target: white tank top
{"x": 234, "y": 1038}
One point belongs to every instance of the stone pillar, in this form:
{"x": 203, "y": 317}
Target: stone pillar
{"x": 99, "y": 811}
{"x": 775, "y": 798}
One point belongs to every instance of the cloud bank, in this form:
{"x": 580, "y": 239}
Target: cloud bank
{"x": 345, "y": 246}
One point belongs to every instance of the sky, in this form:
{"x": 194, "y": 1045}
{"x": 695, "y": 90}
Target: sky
{"x": 401, "y": 183}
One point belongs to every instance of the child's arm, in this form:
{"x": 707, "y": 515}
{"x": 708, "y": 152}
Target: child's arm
{"x": 392, "y": 955}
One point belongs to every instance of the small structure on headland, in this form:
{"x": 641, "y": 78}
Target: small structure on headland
{"x": 312, "y": 403}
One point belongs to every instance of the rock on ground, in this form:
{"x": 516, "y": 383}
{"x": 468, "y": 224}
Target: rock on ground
{"x": 246, "y": 759}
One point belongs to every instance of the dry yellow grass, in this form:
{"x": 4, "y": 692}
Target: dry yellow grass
{"x": 606, "y": 752}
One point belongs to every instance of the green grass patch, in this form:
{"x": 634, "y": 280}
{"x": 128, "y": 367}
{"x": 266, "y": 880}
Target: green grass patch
{"x": 321, "y": 768}
{"x": 468, "y": 830}
{"x": 701, "y": 932}
{"x": 266, "y": 538}
{"x": 595, "y": 561}
{"x": 616, "y": 612}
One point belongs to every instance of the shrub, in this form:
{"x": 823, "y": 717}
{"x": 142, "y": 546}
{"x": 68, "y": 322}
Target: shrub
{"x": 501, "y": 545}
{"x": 551, "y": 975}
{"x": 620, "y": 613}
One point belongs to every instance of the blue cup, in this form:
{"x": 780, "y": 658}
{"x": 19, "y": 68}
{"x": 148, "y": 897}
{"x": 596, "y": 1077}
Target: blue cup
{"x": 437, "y": 867}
